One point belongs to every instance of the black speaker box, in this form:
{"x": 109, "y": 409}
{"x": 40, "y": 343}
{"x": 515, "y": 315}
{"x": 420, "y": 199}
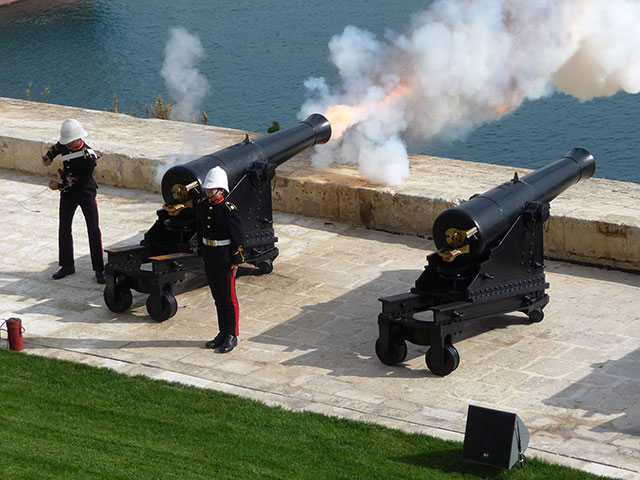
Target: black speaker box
{"x": 493, "y": 437}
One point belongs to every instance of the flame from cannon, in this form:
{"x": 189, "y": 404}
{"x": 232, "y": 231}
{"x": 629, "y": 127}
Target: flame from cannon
{"x": 343, "y": 116}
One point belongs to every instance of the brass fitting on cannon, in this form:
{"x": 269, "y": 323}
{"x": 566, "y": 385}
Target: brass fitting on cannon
{"x": 180, "y": 194}
{"x": 457, "y": 240}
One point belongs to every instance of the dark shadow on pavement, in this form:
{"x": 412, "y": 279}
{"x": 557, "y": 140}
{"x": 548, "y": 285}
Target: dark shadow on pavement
{"x": 340, "y": 335}
{"x": 612, "y": 388}
{"x": 593, "y": 272}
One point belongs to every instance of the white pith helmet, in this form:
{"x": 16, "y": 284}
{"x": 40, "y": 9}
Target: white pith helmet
{"x": 216, "y": 178}
{"x": 71, "y": 130}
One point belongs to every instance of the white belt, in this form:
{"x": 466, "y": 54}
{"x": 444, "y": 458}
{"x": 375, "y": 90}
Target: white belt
{"x": 72, "y": 155}
{"x": 216, "y": 243}
{"x": 78, "y": 153}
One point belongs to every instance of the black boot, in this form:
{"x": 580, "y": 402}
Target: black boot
{"x": 63, "y": 272}
{"x": 230, "y": 341}
{"x": 216, "y": 342}
{"x": 100, "y": 277}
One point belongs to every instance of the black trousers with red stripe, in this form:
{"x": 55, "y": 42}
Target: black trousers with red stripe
{"x": 69, "y": 203}
{"x": 223, "y": 288}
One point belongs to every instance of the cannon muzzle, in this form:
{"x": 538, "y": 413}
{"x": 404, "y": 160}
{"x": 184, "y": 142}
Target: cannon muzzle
{"x": 467, "y": 231}
{"x": 260, "y": 156}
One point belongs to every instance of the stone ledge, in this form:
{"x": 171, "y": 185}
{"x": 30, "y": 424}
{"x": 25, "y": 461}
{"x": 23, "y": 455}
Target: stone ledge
{"x": 595, "y": 222}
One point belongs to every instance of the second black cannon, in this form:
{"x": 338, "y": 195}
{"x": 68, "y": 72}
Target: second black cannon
{"x": 489, "y": 261}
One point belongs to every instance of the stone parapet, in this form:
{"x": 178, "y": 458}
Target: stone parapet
{"x": 595, "y": 222}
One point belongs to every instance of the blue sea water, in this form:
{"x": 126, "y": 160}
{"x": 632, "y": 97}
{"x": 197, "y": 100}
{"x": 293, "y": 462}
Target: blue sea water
{"x": 257, "y": 56}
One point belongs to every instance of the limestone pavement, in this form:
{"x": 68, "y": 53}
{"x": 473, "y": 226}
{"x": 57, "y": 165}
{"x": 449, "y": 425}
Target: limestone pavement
{"x": 595, "y": 222}
{"x": 308, "y": 331}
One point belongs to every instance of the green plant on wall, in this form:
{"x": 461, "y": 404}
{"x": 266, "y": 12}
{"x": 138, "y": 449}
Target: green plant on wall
{"x": 44, "y": 94}
{"x": 162, "y": 108}
{"x": 116, "y": 108}
{"x": 275, "y": 126}
{"x": 115, "y": 103}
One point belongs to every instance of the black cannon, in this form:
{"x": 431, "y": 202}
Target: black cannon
{"x": 168, "y": 249}
{"x": 489, "y": 261}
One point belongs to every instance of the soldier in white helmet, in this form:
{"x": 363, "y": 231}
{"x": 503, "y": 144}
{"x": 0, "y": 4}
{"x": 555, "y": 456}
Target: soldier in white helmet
{"x": 220, "y": 236}
{"x": 77, "y": 189}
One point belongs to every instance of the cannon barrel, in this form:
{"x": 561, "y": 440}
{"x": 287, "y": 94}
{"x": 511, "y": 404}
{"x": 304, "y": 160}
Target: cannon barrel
{"x": 170, "y": 247}
{"x": 485, "y": 218}
{"x": 269, "y": 150}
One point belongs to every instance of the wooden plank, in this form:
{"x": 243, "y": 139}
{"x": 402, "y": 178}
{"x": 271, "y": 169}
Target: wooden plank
{"x": 131, "y": 248}
{"x": 170, "y": 256}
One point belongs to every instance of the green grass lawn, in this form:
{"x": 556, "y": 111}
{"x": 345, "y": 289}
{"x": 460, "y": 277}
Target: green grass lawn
{"x": 65, "y": 420}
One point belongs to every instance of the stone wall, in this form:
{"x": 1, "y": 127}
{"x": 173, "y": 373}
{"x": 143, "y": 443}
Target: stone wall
{"x": 596, "y": 221}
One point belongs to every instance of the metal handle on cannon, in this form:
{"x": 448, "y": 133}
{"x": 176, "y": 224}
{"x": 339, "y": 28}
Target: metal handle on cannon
{"x": 180, "y": 193}
{"x": 457, "y": 240}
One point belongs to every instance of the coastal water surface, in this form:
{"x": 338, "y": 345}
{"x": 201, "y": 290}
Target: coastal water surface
{"x": 257, "y": 55}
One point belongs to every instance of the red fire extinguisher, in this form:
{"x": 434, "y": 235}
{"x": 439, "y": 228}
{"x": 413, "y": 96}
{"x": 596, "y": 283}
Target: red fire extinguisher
{"x": 14, "y": 331}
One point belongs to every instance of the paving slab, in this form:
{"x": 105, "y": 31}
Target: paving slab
{"x": 307, "y": 331}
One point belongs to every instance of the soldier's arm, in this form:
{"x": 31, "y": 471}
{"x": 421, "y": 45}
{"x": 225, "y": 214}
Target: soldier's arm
{"x": 198, "y": 230}
{"x": 52, "y": 152}
{"x": 236, "y": 228}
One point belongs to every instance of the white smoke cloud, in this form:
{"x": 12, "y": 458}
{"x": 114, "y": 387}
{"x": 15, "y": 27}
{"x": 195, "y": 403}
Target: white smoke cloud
{"x": 188, "y": 87}
{"x": 185, "y": 83}
{"x": 463, "y": 63}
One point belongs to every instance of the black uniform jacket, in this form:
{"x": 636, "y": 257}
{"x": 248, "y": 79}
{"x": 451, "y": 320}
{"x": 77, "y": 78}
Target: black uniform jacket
{"x": 220, "y": 222}
{"x": 77, "y": 168}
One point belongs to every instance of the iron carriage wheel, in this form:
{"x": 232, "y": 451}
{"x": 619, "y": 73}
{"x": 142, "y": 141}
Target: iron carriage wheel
{"x": 445, "y": 365}
{"x": 395, "y": 353}
{"x": 118, "y": 299}
{"x": 265, "y": 266}
{"x": 535, "y": 316}
{"x": 162, "y": 309}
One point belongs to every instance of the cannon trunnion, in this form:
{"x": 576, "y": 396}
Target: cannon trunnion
{"x": 489, "y": 261}
{"x": 168, "y": 250}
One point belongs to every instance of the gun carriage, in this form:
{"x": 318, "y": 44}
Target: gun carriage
{"x": 168, "y": 250}
{"x": 489, "y": 261}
